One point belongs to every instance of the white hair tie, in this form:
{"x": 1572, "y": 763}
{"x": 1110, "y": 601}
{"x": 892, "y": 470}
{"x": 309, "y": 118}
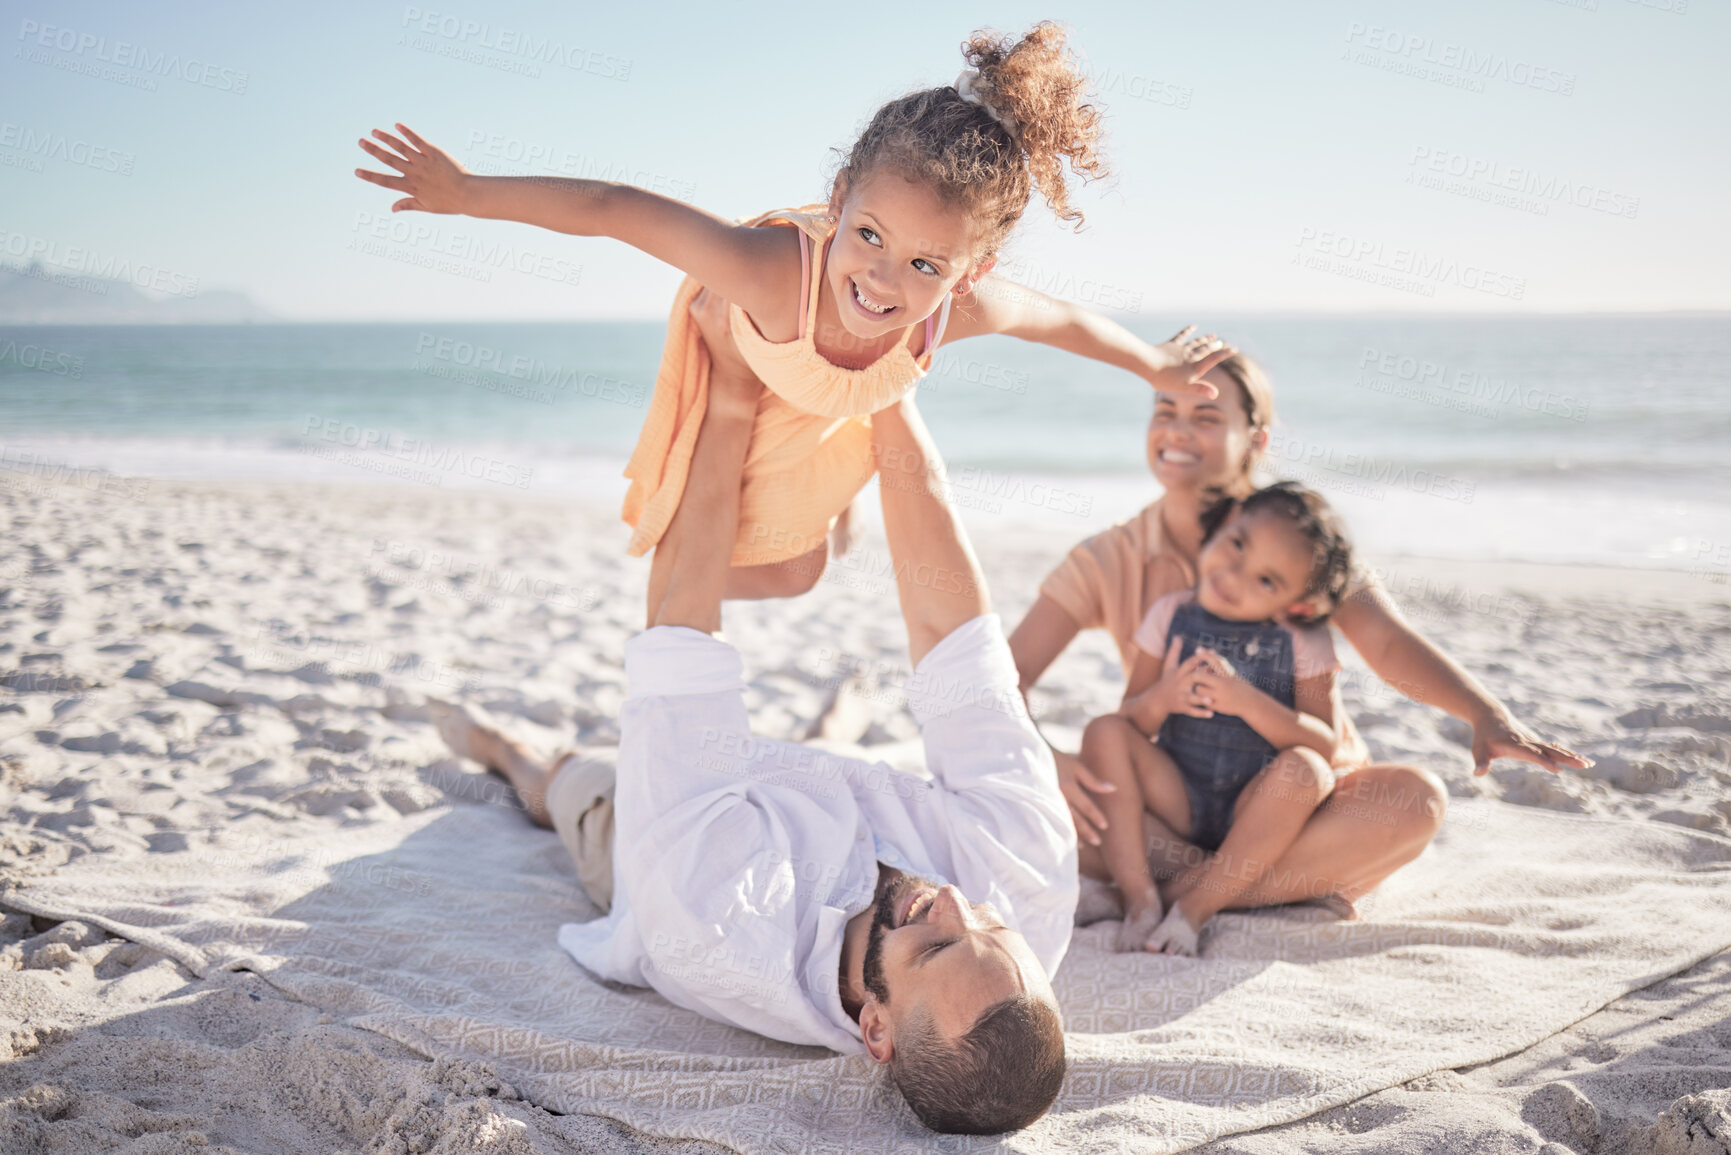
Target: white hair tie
{"x": 968, "y": 88}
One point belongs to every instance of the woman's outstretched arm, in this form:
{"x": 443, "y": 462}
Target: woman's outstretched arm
{"x": 1411, "y": 663}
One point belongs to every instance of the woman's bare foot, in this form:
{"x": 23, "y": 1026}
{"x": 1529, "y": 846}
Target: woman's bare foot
{"x": 504, "y": 756}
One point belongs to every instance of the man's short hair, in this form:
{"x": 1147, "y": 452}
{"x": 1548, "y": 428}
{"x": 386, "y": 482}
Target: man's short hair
{"x": 1000, "y": 1076}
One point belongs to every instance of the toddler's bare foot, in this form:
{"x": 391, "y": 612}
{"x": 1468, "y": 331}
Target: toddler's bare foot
{"x": 1140, "y": 919}
{"x": 1175, "y": 935}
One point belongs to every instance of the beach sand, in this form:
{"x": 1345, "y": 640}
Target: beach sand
{"x": 178, "y": 658}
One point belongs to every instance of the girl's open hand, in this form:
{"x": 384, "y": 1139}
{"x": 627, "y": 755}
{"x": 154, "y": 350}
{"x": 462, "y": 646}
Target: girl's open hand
{"x": 1189, "y": 358}
{"x": 435, "y": 183}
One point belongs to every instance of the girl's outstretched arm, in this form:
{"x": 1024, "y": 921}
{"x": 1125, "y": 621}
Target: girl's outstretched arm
{"x": 999, "y": 306}
{"x": 739, "y": 263}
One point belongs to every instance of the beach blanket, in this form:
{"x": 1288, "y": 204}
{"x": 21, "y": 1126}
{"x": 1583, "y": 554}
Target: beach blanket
{"x": 438, "y": 931}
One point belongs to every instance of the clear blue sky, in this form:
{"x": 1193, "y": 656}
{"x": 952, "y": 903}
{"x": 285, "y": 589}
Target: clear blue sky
{"x": 1244, "y": 134}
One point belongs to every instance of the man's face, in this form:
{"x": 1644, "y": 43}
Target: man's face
{"x": 933, "y": 951}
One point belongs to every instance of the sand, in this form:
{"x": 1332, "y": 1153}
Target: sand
{"x": 176, "y": 658}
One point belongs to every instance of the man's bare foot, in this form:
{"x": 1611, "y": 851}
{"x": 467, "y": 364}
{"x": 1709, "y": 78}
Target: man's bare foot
{"x": 1175, "y": 935}
{"x": 1140, "y": 920}
{"x": 504, "y": 756}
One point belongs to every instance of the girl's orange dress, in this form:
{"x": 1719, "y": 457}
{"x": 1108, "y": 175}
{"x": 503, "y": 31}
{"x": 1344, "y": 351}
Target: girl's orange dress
{"x": 810, "y": 452}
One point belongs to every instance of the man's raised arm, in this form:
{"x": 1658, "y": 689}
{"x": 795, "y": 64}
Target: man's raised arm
{"x": 937, "y": 575}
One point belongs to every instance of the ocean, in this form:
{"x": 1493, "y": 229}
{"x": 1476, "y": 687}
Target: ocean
{"x": 1599, "y": 439}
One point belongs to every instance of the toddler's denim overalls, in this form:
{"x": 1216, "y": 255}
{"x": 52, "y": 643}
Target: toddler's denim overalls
{"x": 1219, "y": 756}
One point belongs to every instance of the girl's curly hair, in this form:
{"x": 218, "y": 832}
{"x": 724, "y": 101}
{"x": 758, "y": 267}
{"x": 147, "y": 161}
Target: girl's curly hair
{"x": 969, "y": 157}
{"x": 1315, "y": 520}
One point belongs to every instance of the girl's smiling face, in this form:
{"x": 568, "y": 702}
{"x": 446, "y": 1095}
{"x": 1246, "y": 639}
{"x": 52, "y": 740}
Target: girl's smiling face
{"x": 1256, "y": 567}
{"x": 897, "y": 250}
{"x": 1197, "y": 442}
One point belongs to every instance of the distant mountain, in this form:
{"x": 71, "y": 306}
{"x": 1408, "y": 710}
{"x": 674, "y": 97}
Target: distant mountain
{"x": 41, "y": 295}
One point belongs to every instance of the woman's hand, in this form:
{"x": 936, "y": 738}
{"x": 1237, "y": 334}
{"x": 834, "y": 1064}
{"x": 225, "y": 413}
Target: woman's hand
{"x": 1079, "y": 785}
{"x": 435, "y": 183}
{"x": 1189, "y": 358}
{"x": 1501, "y": 736}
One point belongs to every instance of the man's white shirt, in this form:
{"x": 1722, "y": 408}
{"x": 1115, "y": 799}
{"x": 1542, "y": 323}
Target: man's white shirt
{"x": 739, "y": 860}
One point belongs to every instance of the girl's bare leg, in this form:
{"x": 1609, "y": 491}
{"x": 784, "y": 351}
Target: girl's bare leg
{"x": 1146, "y": 780}
{"x": 782, "y": 579}
{"x": 1267, "y": 819}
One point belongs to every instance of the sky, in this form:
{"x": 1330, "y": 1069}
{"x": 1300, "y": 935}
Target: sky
{"x": 1334, "y": 156}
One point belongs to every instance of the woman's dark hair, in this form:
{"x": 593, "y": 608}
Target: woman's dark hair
{"x": 1316, "y": 520}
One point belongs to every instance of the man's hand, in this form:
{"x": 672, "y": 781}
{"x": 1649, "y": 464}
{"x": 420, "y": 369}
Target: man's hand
{"x": 1503, "y": 737}
{"x": 1189, "y": 358}
{"x": 435, "y": 183}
